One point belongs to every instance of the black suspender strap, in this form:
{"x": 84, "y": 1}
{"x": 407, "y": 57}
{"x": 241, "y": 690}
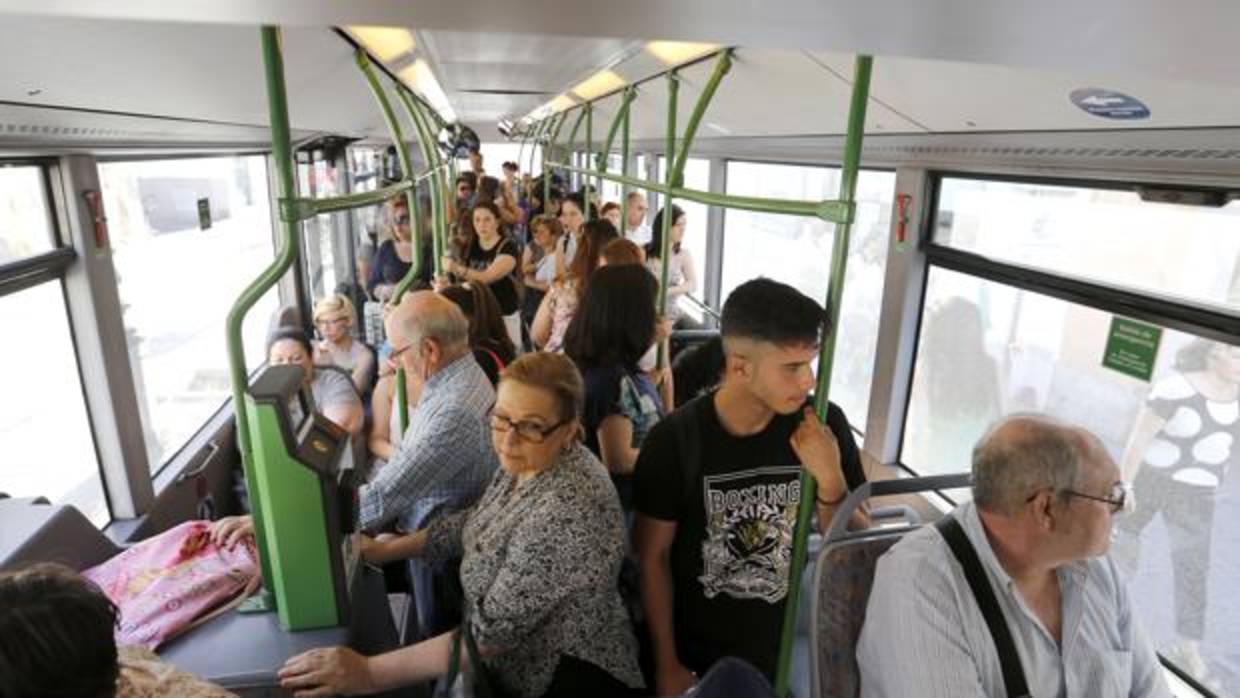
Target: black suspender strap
{"x": 1009, "y": 660}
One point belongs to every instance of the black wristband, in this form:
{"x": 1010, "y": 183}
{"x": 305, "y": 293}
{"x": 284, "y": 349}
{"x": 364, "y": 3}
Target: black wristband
{"x": 836, "y": 503}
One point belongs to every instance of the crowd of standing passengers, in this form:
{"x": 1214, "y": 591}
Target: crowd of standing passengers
{"x": 599, "y": 528}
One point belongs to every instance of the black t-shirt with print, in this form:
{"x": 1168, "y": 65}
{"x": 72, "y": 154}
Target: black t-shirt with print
{"x": 504, "y": 289}
{"x": 733, "y": 547}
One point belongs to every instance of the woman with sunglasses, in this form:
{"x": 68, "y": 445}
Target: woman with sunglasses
{"x": 541, "y": 552}
{"x": 394, "y": 256}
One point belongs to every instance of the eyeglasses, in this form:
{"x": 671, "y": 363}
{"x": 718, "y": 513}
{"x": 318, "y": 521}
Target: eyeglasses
{"x": 402, "y": 220}
{"x": 529, "y": 432}
{"x": 331, "y": 321}
{"x": 397, "y": 352}
{"x": 1120, "y": 498}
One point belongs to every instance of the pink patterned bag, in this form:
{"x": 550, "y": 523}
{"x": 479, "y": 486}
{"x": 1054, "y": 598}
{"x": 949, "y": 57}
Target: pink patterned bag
{"x": 172, "y": 582}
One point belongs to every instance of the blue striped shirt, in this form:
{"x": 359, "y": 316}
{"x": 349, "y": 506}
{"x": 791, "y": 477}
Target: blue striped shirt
{"x": 924, "y": 634}
{"x": 445, "y": 459}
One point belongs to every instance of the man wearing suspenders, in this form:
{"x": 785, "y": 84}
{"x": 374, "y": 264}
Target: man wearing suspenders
{"x": 1012, "y": 594}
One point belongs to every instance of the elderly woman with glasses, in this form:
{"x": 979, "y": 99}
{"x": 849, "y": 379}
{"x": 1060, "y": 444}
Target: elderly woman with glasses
{"x": 540, "y": 550}
{"x": 334, "y": 319}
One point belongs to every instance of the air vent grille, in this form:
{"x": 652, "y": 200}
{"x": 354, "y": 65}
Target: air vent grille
{"x": 1060, "y": 153}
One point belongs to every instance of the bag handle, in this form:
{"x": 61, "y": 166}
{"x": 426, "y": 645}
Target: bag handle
{"x": 476, "y": 673}
{"x": 1009, "y": 660}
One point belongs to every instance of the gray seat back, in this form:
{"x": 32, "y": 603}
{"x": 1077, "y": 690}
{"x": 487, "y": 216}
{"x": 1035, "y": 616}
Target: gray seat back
{"x": 843, "y": 577}
{"x": 39, "y": 532}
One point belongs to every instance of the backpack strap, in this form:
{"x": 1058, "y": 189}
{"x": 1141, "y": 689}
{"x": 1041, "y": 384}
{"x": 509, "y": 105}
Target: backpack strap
{"x": 984, "y": 595}
{"x": 689, "y": 443}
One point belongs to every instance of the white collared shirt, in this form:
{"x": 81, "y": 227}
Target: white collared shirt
{"x": 925, "y": 636}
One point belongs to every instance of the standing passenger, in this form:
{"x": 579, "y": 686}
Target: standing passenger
{"x": 612, "y": 330}
{"x": 611, "y": 211}
{"x": 490, "y": 257}
{"x": 636, "y": 228}
{"x": 681, "y": 276}
{"x": 560, "y": 304}
{"x": 1044, "y": 498}
{"x": 488, "y": 338}
{"x": 715, "y": 558}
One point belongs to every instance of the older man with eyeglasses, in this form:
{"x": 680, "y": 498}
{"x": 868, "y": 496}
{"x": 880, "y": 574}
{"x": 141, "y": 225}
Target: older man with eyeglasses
{"x": 1030, "y": 549}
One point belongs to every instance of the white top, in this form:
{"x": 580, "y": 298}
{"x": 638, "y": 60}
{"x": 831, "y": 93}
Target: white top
{"x": 545, "y": 273}
{"x": 640, "y": 235}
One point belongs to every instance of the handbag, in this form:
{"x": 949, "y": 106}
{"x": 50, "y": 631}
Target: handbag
{"x": 473, "y": 682}
{"x": 175, "y": 581}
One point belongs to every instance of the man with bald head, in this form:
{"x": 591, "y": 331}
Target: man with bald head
{"x": 445, "y": 459}
{"x": 1044, "y": 495}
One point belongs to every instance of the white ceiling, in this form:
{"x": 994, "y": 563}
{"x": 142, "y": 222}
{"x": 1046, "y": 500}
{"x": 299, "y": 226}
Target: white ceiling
{"x": 212, "y": 72}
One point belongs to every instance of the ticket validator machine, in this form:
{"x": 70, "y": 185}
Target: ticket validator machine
{"x": 302, "y": 487}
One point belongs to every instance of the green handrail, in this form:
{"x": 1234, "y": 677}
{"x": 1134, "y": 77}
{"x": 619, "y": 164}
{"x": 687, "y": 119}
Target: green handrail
{"x": 829, "y": 211}
{"x": 722, "y": 66}
{"x": 586, "y": 185}
{"x": 548, "y": 153}
{"x": 286, "y": 254}
{"x": 572, "y": 136}
{"x": 839, "y": 262}
{"x": 438, "y": 187}
{"x": 617, "y": 121}
{"x": 300, "y": 208}
{"x": 406, "y": 165}
{"x": 673, "y": 93}
{"x": 630, "y": 95}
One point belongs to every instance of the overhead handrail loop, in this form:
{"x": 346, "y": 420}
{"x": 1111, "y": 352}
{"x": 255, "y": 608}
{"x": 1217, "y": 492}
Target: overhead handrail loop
{"x": 826, "y": 357}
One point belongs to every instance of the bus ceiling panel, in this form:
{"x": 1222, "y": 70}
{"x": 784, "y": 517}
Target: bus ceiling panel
{"x": 766, "y": 93}
{"x": 1182, "y": 40}
{"x": 208, "y": 77}
{"x": 948, "y": 96}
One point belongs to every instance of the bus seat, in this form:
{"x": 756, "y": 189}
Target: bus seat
{"x": 33, "y": 531}
{"x": 842, "y": 578}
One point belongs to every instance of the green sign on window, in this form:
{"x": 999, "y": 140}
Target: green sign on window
{"x": 1132, "y": 347}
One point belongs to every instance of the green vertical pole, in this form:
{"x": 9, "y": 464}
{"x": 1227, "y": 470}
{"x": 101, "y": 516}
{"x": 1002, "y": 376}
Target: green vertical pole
{"x": 286, "y": 256}
{"x": 624, "y": 163}
{"x": 839, "y": 261}
{"x": 673, "y": 91}
{"x": 548, "y": 153}
{"x": 588, "y": 183}
{"x": 406, "y": 166}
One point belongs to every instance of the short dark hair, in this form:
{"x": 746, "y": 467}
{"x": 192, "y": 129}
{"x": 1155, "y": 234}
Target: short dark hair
{"x": 510, "y": 165}
{"x": 578, "y": 199}
{"x": 697, "y": 370}
{"x": 770, "y": 311}
{"x": 615, "y": 322}
{"x": 56, "y": 634}
{"x": 609, "y": 207}
{"x": 293, "y": 333}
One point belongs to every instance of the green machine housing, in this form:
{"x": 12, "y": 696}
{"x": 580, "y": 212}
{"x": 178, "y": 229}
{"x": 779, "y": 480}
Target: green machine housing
{"x": 303, "y": 494}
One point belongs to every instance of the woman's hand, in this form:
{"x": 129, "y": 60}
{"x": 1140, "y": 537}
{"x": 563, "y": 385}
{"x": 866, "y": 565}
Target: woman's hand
{"x": 230, "y": 530}
{"x": 673, "y": 680}
{"x": 327, "y": 671}
{"x": 819, "y": 452}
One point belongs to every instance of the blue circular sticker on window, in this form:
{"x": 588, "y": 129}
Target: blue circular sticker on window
{"x": 1109, "y": 104}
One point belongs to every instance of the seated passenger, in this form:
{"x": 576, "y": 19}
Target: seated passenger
{"x": 1044, "y": 496}
{"x": 334, "y": 394}
{"x": 385, "y": 432}
{"x": 488, "y": 337}
{"x": 334, "y": 317}
{"x": 56, "y": 639}
{"x": 614, "y": 327}
{"x": 445, "y": 459}
{"x": 541, "y": 548}
{"x": 715, "y": 559}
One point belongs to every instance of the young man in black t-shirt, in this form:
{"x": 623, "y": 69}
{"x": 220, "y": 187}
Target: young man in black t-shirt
{"x": 715, "y": 559}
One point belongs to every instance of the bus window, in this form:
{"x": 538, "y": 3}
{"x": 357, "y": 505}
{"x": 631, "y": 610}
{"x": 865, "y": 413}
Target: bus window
{"x": 1189, "y": 253}
{"x": 25, "y": 225}
{"x": 988, "y": 349}
{"x": 797, "y": 251}
{"x": 179, "y": 270}
{"x": 46, "y": 444}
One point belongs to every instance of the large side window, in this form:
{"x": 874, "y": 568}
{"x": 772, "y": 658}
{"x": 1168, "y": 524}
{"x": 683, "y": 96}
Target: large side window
{"x": 46, "y": 444}
{"x": 188, "y": 235}
{"x": 797, "y": 251}
{"x": 1169, "y": 417}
